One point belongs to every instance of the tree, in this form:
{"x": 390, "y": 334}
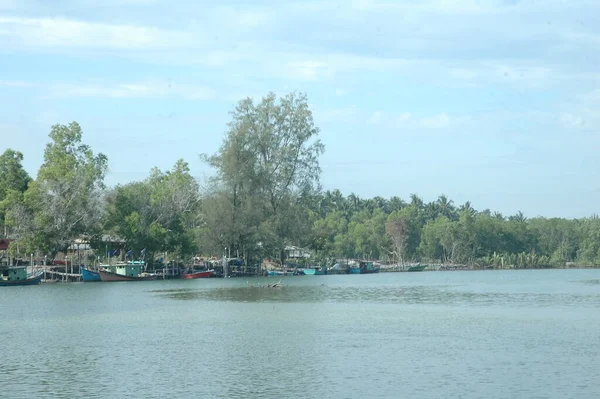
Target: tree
{"x": 269, "y": 158}
{"x": 160, "y": 213}
{"x": 66, "y": 196}
{"x": 13, "y": 183}
{"x": 396, "y": 229}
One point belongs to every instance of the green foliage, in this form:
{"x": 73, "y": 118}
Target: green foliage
{"x": 65, "y": 198}
{"x": 264, "y": 197}
{"x": 159, "y": 214}
{"x": 13, "y": 183}
{"x": 267, "y": 170}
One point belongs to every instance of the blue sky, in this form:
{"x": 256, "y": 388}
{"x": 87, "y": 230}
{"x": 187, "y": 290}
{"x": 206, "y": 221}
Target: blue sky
{"x": 496, "y": 102}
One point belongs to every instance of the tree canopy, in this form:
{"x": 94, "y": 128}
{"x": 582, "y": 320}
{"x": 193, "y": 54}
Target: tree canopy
{"x": 265, "y": 196}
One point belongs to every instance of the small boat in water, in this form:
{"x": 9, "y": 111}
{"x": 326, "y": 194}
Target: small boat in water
{"x": 363, "y": 267}
{"x": 309, "y": 272}
{"x": 202, "y": 274}
{"x": 12, "y": 276}
{"x": 107, "y": 276}
{"x": 88, "y": 275}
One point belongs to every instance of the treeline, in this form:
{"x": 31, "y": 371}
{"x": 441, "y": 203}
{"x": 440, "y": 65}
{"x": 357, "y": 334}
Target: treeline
{"x": 264, "y": 197}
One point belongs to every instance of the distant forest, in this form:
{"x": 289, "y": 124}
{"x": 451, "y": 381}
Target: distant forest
{"x": 264, "y": 197}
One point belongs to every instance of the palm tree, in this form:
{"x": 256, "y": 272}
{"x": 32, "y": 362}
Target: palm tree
{"x": 431, "y": 211}
{"x": 498, "y": 215}
{"x": 355, "y": 202}
{"x": 416, "y": 201}
{"x": 396, "y": 203}
{"x": 518, "y": 218}
{"x": 466, "y": 207}
{"x": 446, "y": 207}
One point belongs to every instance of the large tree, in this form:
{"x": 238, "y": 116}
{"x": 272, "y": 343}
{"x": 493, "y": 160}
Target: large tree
{"x": 160, "y": 213}
{"x": 66, "y": 196}
{"x": 13, "y": 183}
{"x": 269, "y": 159}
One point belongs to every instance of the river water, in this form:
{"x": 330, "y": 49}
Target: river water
{"x": 491, "y": 334}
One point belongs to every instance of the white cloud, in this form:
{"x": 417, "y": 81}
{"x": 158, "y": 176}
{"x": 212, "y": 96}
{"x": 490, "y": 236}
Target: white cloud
{"x": 435, "y": 122}
{"x": 53, "y": 33}
{"x": 569, "y": 120}
{"x": 403, "y": 118}
{"x": 376, "y": 118}
{"x": 16, "y": 83}
{"x": 303, "y": 70}
{"x": 155, "y": 89}
{"x": 341, "y": 114}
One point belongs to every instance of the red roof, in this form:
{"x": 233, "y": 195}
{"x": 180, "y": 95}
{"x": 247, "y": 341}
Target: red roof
{"x": 4, "y": 242}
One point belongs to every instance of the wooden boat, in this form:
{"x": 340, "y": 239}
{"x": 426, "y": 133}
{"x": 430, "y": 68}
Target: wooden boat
{"x": 202, "y": 274}
{"x": 107, "y": 276}
{"x": 368, "y": 268}
{"x": 89, "y": 275}
{"x": 363, "y": 267}
{"x": 12, "y": 276}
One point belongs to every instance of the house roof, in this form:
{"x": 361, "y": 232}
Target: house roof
{"x": 4, "y": 243}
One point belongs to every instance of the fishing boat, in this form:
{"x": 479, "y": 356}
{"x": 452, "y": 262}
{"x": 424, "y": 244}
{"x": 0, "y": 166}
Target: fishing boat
{"x": 363, "y": 267}
{"x": 11, "y": 276}
{"x": 417, "y": 268}
{"x": 201, "y": 274}
{"x": 368, "y": 268}
{"x": 274, "y": 273}
{"x": 88, "y": 275}
{"x": 125, "y": 271}
{"x": 107, "y": 276}
{"x": 309, "y": 272}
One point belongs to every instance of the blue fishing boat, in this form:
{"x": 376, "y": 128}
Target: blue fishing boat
{"x": 10, "y": 276}
{"x": 363, "y": 267}
{"x": 89, "y": 275}
{"x": 309, "y": 272}
{"x": 274, "y": 273}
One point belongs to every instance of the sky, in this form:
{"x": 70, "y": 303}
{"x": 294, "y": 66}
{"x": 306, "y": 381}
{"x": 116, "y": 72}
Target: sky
{"x": 494, "y": 102}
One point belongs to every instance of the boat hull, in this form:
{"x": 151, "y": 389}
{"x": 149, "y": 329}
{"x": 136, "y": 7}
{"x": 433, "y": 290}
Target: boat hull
{"x": 309, "y": 272}
{"x": 110, "y": 277}
{"x": 90, "y": 275}
{"x": 204, "y": 274}
{"x": 354, "y": 270}
{"x": 30, "y": 280}
{"x": 369, "y": 271}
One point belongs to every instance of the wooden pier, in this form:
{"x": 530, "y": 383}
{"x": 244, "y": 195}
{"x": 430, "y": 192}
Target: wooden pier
{"x": 53, "y": 276}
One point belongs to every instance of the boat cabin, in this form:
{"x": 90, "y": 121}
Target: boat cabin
{"x": 132, "y": 269}
{"x": 13, "y": 273}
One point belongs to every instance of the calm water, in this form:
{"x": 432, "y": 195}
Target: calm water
{"x": 493, "y": 334}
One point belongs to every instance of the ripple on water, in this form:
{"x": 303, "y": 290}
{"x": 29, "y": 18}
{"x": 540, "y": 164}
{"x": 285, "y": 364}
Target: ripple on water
{"x": 409, "y": 295}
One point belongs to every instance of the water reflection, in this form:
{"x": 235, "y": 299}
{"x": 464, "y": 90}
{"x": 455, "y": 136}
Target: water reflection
{"x": 431, "y": 295}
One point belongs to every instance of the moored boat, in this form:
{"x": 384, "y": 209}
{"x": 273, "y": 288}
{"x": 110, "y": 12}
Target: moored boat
{"x": 363, "y": 267}
{"x": 13, "y": 276}
{"x": 107, "y": 276}
{"x": 368, "y": 268}
{"x": 202, "y": 274}
{"x": 309, "y": 272}
{"x": 88, "y": 275}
